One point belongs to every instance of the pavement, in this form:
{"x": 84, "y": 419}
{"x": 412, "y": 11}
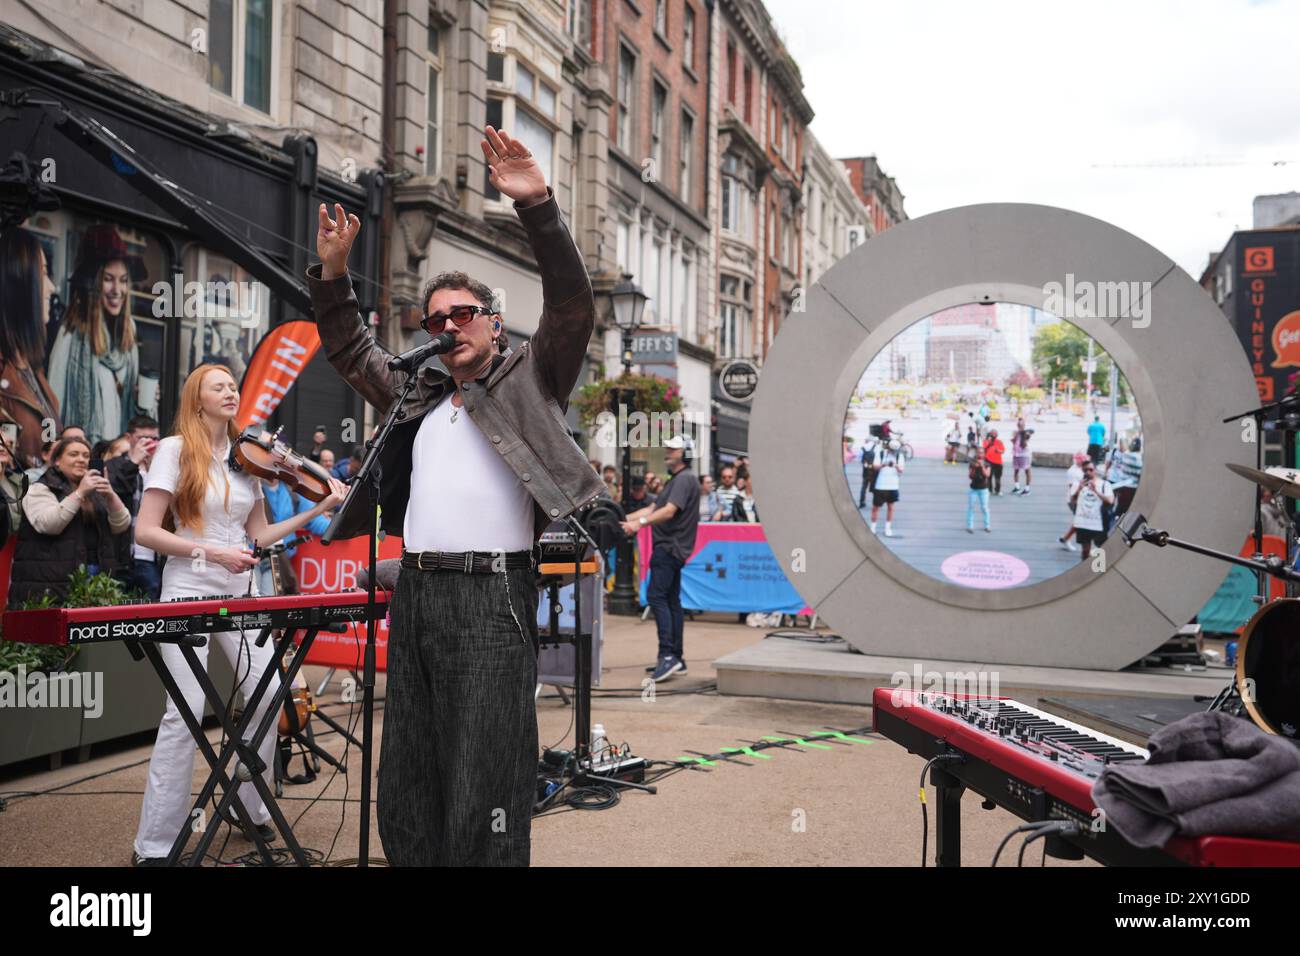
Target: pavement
{"x": 930, "y": 523}
{"x": 854, "y": 804}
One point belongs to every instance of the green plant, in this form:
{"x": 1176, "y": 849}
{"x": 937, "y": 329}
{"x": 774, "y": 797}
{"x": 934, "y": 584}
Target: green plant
{"x": 84, "y": 590}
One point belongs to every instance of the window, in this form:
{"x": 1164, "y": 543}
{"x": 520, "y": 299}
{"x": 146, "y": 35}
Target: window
{"x": 650, "y": 282}
{"x": 579, "y": 22}
{"x": 433, "y": 104}
{"x": 626, "y": 91}
{"x": 737, "y": 198}
{"x": 731, "y": 72}
{"x": 749, "y": 86}
{"x": 496, "y": 67}
{"x": 524, "y": 80}
{"x": 733, "y": 331}
{"x": 684, "y": 157}
{"x": 785, "y": 138}
{"x": 658, "y": 101}
{"x": 661, "y": 17}
{"x": 495, "y": 111}
{"x": 771, "y": 230}
{"x": 537, "y": 137}
{"x": 771, "y": 123}
{"x": 688, "y": 37}
{"x": 240, "y": 50}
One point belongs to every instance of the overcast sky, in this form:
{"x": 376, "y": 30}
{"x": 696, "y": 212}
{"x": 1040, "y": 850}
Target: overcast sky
{"x": 1001, "y": 101}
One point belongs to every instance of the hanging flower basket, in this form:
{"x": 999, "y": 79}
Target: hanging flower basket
{"x": 651, "y": 394}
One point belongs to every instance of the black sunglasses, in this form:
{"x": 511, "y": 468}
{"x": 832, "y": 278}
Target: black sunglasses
{"x": 460, "y": 314}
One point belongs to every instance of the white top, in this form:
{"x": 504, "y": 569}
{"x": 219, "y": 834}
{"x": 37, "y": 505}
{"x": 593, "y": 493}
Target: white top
{"x": 1087, "y": 512}
{"x": 193, "y": 576}
{"x": 887, "y": 476}
{"x": 138, "y": 552}
{"x": 464, "y": 497}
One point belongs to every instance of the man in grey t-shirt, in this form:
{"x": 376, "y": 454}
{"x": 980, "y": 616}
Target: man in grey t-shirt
{"x": 673, "y": 520}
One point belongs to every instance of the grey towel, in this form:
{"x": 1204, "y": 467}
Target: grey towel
{"x": 1208, "y": 774}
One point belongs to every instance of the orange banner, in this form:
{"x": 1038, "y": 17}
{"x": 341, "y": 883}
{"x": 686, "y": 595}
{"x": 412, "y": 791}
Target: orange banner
{"x": 279, "y": 360}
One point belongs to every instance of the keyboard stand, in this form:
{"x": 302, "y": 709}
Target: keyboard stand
{"x": 948, "y": 791}
{"x": 235, "y": 745}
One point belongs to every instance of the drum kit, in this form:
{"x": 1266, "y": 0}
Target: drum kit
{"x": 1265, "y": 687}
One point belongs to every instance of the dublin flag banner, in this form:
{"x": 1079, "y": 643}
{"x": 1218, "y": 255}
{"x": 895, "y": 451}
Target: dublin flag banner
{"x": 275, "y": 366}
{"x": 732, "y": 569}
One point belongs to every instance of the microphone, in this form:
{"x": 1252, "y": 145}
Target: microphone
{"x": 414, "y": 358}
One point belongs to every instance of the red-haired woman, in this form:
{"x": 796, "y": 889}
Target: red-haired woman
{"x": 200, "y": 513}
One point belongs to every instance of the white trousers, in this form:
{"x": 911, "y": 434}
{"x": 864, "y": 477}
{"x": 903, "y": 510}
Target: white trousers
{"x": 167, "y": 796}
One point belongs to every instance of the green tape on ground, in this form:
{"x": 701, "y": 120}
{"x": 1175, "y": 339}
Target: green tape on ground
{"x": 839, "y": 735}
{"x": 799, "y": 740}
{"x": 699, "y": 760}
{"x": 747, "y": 751}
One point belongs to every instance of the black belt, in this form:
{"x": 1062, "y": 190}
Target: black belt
{"x": 467, "y": 562}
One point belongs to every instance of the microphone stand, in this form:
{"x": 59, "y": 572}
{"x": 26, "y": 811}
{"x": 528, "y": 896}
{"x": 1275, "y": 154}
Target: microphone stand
{"x": 366, "y": 482}
{"x": 1262, "y": 565}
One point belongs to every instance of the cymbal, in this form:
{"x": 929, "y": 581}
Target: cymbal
{"x": 1282, "y": 481}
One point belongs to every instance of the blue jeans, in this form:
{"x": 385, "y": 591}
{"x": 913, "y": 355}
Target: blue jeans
{"x": 973, "y": 496}
{"x": 664, "y": 595}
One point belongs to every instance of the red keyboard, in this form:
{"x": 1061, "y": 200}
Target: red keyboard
{"x": 170, "y": 620}
{"x": 1042, "y": 767}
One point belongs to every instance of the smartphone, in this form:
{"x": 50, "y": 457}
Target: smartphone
{"x": 97, "y": 464}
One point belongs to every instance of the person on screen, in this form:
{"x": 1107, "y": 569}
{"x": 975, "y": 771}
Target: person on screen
{"x": 980, "y": 473}
{"x": 1021, "y": 459}
{"x": 95, "y": 362}
{"x": 27, "y": 403}
{"x": 888, "y": 469}
{"x": 1090, "y": 494}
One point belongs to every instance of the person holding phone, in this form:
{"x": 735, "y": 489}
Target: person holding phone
{"x": 201, "y": 512}
{"x": 128, "y": 474}
{"x": 70, "y": 517}
{"x": 980, "y": 473}
{"x": 1088, "y": 495}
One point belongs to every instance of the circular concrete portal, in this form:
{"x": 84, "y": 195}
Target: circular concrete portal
{"x": 1187, "y": 371}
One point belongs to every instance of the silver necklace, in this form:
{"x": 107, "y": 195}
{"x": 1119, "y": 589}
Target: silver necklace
{"x": 455, "y": 412}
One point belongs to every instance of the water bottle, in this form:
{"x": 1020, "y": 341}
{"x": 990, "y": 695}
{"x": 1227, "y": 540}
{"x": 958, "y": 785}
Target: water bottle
{"x": 599, "y": 743}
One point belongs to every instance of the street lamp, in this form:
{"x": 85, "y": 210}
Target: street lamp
{"x": 628, "y": 302}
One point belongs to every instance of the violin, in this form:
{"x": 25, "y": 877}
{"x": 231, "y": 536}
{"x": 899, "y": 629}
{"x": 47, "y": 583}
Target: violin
{"x": 261, "y": 453}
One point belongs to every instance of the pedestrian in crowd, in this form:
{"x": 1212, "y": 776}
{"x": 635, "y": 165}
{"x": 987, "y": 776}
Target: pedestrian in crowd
{"x": 1096, "y": 439}
{"x": 35, "y": 472}
{"x": 673, "y": 524}
{"x": 1090, "y": 494}
{"x": 952, "y": 443}
{"x": 1021, "y": 460}
{"x": 610, "y": 475}
{"x": 128, "y": 474}
{"x": 744, "y": 508}
{"x": 869, "y": 450}
{"x": 994, "y": 449}
{"x": 327, "y": 459}
{"x": 70, "y": 518}
{"x": 73, "y": 431}
{"x": 117, "y": 447}
{"x": 1073, "y": 475}
{"x": 281, "y": 503}
{"x": 640, "y": 496}
{"x": 11, "y": 492}
{"x": 727, "y": 492}
{"x": 318, "y": 438}
{"x": 888, "y": 469}
{"x": 1123, "y": 472}
{"x": 979, "y": 472}
{"x": 653, "y": 484}
{"x": 708, "y": 499}
{"x": 972, "y": 439}
{"x": 345, "y": 469}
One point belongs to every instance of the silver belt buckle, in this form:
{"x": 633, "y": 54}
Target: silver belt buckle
{"x": 419, "y": 562}
{"x": 469, "y": 562}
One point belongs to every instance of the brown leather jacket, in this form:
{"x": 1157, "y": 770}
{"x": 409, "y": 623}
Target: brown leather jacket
{"x": 519, "y": 404}
{"x": 19, "y": 405}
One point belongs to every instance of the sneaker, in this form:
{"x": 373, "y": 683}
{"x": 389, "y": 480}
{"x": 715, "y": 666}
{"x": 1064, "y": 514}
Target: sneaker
{"x": 1068, "y": 545}
{"x": 681, "y": 665}
{"x": 138, "y": 860}
{"x": 668, "y": 666}
{"x": 1024, "y": 492}
{"x": 873, "y": 527}
{"x": 988, "y": 529}
{"x": 970, "y": 530}
{"x": 889, "y": 532}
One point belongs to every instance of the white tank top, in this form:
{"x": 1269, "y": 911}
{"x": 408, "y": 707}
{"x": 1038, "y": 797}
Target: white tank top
{"x": 464, "y": 497}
